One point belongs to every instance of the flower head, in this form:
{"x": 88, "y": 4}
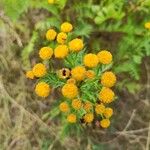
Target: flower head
{"x": 108, "y": 112}
{"x": 100, "y": 108}
{"x": 42, "y": 89}
{"x": 90, "y": 60}
{"x": 87, "y": 106}
{"x": 90, "y": 74}
{"x": 78, "y": 73}
{"x": 108, "y": 79}
{"x": 72, "y": 118}
{"x": 46, "y": 53}
{"x": 64, "y": 73}
{"x": 71, "y": 80}
{"x": 51, "y": 1}
{"x": 29, "y": 74}
{"x": 76, "y": 104}
{"x": 76, "y": 45}
{"x": 70, "y": 90}
{"x": 105, "y": 123}
{"x": 64, "y": 107}
{"x": 106, "y": 95}
{"x": 66, "y": 27}
{"x": 147, "y": 25}
{"x": 88, "y": 118}
{"x": 51, "y": 34}
{"x": 105, "y": 57}
{"x": 61, "y": 37}
{"x": 61, "y": 51}
{"x": 39, "y": 70}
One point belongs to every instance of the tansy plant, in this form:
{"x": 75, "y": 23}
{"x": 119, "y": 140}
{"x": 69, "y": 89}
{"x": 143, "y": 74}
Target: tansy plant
{"x": 84, "y": 80}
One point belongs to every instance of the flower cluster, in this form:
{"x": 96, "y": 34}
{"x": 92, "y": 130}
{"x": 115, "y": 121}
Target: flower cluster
{"x": 85, "y": 85}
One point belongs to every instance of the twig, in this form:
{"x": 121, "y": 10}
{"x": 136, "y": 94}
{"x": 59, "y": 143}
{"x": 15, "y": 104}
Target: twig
{"x": 33, "y": 116}
{"x": 7, "y": 21}
{"x": 148, "y": 139}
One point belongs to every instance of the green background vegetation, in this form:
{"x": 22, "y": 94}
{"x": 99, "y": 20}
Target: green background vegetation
{"x": 104, "y": 24}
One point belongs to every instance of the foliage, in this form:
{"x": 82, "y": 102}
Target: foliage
{"x": 115, "y": 25}
{"x": 117, "y": 18}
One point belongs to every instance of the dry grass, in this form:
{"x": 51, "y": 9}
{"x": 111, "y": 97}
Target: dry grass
{"x": 20, "y": 111}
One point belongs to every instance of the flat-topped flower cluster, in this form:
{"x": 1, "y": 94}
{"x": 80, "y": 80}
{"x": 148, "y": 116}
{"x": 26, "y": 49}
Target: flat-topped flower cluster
{"x": 85, "y": 82}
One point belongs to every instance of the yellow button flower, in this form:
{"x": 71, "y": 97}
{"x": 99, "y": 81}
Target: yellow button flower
{"x": 90, "y": 60}
{"x": 87, "y": 106}
{"x": 88, "y": 118}
{"x": 108, "y": 79}
{"x": 63, "y": 73}
{"x": 29, "y": 74}
{"x": 76, "y": 104}
{"x": 90, "y": 74}
{"x": 39, "y": 70}
{"x": 147, "y": 25}
{"x": 51, "y": 1}
{"x": 61, "y": 37}
{"x": 61, "y": 51}
{"x": 108, "y": 112}
{"x": 71, "y": 80}
{"x": 42, "y": 89}
{"x": 78, "y": 73}
{"x": 105, "y": 123}
{"x": 105, "y": 57}
{"x": 99, "y": 109}
{"x": 64, "y": 107}
{"x": 46, "y": 53}
{"x": 70, "y": 90}
{"x": 106, "y": 95}
{"x": 51, "y": 34}
{"x": 76, "y": 45}
{"x": 72, "y": 118}
{"x": 66, "y": 27}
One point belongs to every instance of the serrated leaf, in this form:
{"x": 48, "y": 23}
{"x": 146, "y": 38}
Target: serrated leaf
{"x": 53, "y": 79}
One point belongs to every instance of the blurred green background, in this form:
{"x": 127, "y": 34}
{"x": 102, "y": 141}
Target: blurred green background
{"x": 117, "y": 26}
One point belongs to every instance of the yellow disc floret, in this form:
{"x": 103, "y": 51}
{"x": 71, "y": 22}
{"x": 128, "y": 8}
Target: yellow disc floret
{"x": 100, "y": 108}
{"x": 106, "y": 95}
{"x": 76, "y": 104}
{"x": 39, "y": 70}
{"x": 105, "y": 123}
{"x": 90, "y": 60}
{"x": 51, "y": 1}
{"x": 29, "y": 74}
{"x": 105, "y": 57}
{"x": 42, "y": 89}
{"x": 71, "y": 80}
{"x": 88, "y": 118}
{"x": 51, "y": 34}
{"x": 108, "y": 79}
{"x": 87, "y": 106}
{"x": 147, "y": 25}
{"x": 61, "y": 51}
{"x": 61, "y": 37}
{"x": 108, "y": 112}
{"x": 72, "y": 118}
{"x": 76, "y": 45}
{"x": 46, "y": 53}
{"x": 90, "y": 74}
{"x": 78, "y": 73}
{"x": 70, "y": 90}
{"x": 66, "y": 27}
{"x": 64, "y": 107}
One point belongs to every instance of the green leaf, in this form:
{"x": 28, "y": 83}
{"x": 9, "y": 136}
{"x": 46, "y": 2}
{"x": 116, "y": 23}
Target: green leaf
{"x": 28, "y": 50}
{"x": 53, "y": 79}
{"x": 14, "y": 8}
